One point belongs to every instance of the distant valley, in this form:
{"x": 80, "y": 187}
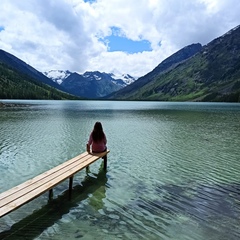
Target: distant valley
{"x": 194, "y": 73}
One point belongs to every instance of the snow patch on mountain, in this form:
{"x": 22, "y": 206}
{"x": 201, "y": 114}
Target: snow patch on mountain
{"x": 126, "y": 78}
{"x": 117, "y": 78}
{"x": 58, "y": 76}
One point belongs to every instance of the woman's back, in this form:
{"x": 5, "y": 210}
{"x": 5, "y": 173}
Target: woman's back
{"x": 97, "y": 139}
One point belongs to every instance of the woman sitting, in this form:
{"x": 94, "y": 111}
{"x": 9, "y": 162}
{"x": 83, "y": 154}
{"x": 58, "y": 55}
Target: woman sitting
{"x": 97, "y": 139}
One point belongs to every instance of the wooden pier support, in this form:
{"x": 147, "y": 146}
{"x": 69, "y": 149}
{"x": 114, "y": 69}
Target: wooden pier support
{"x": 105, "y": 162}
{"x": 70, "y": 186}
{"x": 50, "y": 194}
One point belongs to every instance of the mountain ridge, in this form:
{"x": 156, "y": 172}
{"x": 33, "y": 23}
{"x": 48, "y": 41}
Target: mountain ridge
{"x": 91, "y": 84}
{"x": 17, "y": 85}
{"x": 21, "y": 66}
{"x": 173, "y": 60}
{"x": 212, "y": 74}
{"x": 95, "y": 90}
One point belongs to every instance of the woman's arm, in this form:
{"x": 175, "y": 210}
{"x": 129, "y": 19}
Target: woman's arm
{"x": 89, "y": 143}
{"x": 105, "y": 139}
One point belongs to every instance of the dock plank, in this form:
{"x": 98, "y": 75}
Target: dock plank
{"x": 40, "y": 176}
{"x": 27, "y": 191}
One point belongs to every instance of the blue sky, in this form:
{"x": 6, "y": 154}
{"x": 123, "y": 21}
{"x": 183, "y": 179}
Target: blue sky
{"x": 116, "y": 43}
{"x": 90, "y": 1}
{"x": 121, "y": 43}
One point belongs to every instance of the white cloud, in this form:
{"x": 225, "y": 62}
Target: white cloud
{"x": 64, "y": 34}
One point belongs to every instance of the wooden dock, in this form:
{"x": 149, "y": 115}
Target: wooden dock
{"x": 19, "y": 195}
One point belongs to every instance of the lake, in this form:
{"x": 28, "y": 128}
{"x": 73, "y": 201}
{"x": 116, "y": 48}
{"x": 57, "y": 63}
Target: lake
{"x": 173, "y": 170}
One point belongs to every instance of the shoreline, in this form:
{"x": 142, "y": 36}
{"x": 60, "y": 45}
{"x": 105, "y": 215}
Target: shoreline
{"x": 6, "y": 105}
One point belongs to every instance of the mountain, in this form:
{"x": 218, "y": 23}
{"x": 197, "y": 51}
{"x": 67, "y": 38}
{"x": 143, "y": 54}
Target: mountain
{"x": 17, "y": 85}
{"x": 212, "y": 74}
{"x": 91, "y": 85}
{"x": 163, "y": 67}
{"x": 21, "y": 81}
{"x": 125, "y": 78}
{"x": 58, "y": 76}
{"x": 19, "y": 65}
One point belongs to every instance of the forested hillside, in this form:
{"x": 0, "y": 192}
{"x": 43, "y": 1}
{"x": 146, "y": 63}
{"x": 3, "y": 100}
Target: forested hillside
{"x": 16, "y": 85}
{"x": 165, "y": 66}
{"x": 213, "y": 74}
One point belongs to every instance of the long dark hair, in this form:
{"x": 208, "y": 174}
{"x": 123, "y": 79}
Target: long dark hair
{"x": 97, "y": 133}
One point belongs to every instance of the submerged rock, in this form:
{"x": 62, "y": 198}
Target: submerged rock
{"x": 205, "y": 201}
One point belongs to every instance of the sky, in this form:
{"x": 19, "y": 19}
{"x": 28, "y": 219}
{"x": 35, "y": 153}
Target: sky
{"x": 113, "y": 36}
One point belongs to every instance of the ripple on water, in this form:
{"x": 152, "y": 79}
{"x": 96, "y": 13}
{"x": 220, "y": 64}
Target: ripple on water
{"x": 169, "y": 171}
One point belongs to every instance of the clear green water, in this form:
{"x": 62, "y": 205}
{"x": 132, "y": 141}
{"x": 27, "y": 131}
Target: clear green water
{"x": 173, "y": 170}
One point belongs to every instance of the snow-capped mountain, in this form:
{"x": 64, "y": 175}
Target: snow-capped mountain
{"x": 58, "y": 76}
{"x": 126, "y": 78}
{"x": 90, "y": 84}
